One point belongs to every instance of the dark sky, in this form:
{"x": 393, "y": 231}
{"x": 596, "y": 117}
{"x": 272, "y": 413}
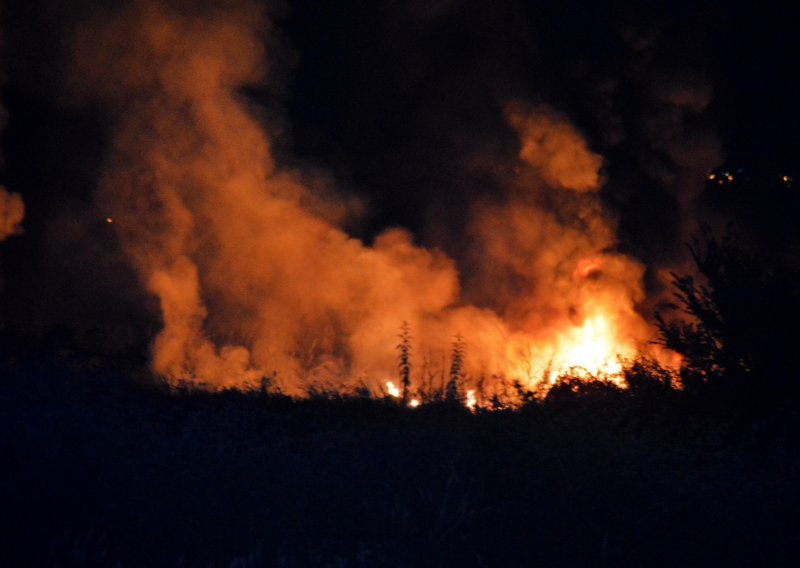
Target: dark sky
{"x": 399, "y": 98}
{"x": 401, "y": 102}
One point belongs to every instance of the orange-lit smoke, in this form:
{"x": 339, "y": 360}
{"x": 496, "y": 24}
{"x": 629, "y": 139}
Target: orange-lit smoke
{"x": 254, "y": 275}
{"x": 555, "y": 148}
{"x": 12, "y": 210}
{"x": 547, "y": 260}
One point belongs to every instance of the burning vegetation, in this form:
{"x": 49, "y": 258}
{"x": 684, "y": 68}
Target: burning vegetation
{"x": 514, "y": 381}
{"x": 254, "y": 273}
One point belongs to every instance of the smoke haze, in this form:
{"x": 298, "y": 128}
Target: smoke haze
{"x": 251, "y": 276}
{"x": 290, "y": 184}
{"x": 12, "y": 210}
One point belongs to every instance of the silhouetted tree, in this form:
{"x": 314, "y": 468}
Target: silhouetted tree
{"x": 744, "y": 314}
{"x": 457, "y": 353}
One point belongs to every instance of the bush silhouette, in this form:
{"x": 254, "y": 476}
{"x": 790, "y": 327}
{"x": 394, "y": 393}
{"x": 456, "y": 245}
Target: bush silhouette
{"x": 744, "y": 312}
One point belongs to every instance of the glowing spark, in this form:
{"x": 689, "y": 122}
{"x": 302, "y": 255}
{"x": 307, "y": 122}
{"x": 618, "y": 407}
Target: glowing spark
{"x": 392, "y": 389}
{"x": 108, "y": 220}
{"x": 414, "y": 402}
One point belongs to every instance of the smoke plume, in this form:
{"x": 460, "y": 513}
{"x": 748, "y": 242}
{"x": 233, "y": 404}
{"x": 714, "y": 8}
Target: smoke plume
{"x": 552, "y": 145}
{"x": 544, "y": 254}
{"x": 252, "y": 272}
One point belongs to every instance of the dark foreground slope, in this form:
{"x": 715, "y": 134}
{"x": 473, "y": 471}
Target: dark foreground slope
{"x": 97, "y": 471}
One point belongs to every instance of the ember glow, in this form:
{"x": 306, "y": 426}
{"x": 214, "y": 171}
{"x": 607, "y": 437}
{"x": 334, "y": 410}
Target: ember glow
{"x": 392, "y": 390}
{"x": 471, "y": 401}
{"x": 253, "y": 271}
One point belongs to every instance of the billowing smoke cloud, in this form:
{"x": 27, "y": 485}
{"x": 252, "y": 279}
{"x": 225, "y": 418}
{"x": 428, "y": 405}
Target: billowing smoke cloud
{"x": 689, "y": 149}
{"x": 253, "y": 274}
{"x": 554, "y": 147}
{"x": 250, "y": 276}
{"x": 545, "y": 258}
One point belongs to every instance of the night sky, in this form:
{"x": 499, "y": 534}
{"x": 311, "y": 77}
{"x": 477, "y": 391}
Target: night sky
{"x": 399, "y": 283}
{"x": 400, "y": 105}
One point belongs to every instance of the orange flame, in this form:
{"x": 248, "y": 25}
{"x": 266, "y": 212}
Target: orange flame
{"x": 592, "y": 348}
{"x": 471, "y": 401}
{"x": 253, "y": 271}
{"x": 392, "y": 390}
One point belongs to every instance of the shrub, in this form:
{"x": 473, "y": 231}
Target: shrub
{"x": 743, "y": 317}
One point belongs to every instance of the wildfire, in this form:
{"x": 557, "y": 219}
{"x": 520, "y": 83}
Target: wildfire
{"x": 392, "y": 390}
{"x": 590, "y": 348}
{"x": 471, "y": 401}
{"x": 255, "y": 273}
{"x": 596, "y": 348}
